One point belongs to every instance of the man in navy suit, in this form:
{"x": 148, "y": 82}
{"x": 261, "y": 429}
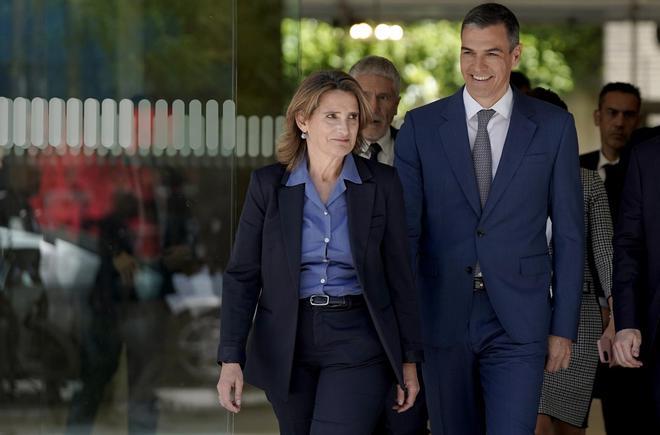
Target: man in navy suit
{"x": 636, "y": 283}
{"x": 482, "y": 171}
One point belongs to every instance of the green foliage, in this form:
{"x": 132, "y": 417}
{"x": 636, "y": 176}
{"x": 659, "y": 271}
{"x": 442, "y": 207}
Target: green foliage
{"x": 428, "y": 55}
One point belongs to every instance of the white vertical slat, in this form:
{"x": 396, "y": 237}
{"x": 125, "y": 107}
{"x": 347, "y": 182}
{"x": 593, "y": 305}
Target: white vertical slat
{"x": 195, "y": 125}
{"x": 178, "y": 124}
{"x": 160, "y": 126}
{"x": 126, "y": 124}
{"x": 228, "y": 127}
{"x": 241, "y": 136}
{"x": 212, "y": 127}
{"x": 279, "y": 127}
{"x": 92, "y": 131}
{"x": 56, "y": 122}
{"x": 6, "y": 122}
{"x": 267, "y": 136}
{"x": 253, "y": 144}
{"x": 39, "y": 122}
{"x": 144, "y": 126}
{"x": 74, "y": 120}
{"x": 108, "y": 123}
{"x": 21, "y": 126}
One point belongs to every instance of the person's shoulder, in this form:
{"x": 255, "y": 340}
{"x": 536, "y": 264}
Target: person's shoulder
{"x": 589, "y": 178}
{"x": 541, "y": 108}
{"x": 430, "y": 111}
{"x": 649, "y": 149}
{"x": 589, "y": 160}
{"x": 269, "y": 174}
{"x": 377, "y": 170}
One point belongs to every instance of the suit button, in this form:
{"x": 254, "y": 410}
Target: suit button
{"x": 481, "y": 233}
{"x": 469, "y": 270}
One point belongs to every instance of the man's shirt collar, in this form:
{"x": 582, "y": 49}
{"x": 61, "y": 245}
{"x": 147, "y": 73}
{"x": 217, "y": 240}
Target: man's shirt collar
{"x": 503, "y": 106}
{"x": 602, "y": 161}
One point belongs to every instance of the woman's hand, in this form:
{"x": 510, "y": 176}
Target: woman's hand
{"x": 406, "y": 399}
{"x": 231, "y": 378}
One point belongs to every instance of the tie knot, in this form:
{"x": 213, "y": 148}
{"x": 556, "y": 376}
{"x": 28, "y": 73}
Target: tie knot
{"x": 484, "y": 115}
{"x": 374, "y": 150}
{"x": 610, "y": 168}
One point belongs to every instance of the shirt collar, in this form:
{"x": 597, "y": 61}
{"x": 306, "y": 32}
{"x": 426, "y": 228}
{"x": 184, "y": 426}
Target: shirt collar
{"x": 602, "y": 160}
{"x": 503, "y": 106}
{"x": 349, "y": 172}
{"x": 387, "y": 138}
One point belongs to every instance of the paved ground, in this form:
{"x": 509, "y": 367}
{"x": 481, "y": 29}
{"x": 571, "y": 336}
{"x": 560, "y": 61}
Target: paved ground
{"x": 189, "y": 411}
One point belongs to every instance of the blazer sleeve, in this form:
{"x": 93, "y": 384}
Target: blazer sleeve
{"x": 629, "y": 250}
{"x": 408, "y": 165}
{"x": 399, "y": 275}
{"x": 600, "y": 232}
{"x": 567, "y": 215}
{"x": 242, "y": 278}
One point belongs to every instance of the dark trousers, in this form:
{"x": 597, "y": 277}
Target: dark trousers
{"x": 485, "y": 383}
{"x": 627, "y": 396}
{"x": 412, "y": 422}
{"x": 340, "y": 375}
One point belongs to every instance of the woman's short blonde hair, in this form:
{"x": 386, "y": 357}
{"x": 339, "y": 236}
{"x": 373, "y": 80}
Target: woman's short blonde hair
{"x": 291, "y": 147}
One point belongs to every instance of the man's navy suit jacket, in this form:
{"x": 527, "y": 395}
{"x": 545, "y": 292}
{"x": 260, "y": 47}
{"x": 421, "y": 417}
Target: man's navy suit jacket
{"x": 538, "y": 177}
{"x": 636, "y": 283}
{"x": 264, "y": 272}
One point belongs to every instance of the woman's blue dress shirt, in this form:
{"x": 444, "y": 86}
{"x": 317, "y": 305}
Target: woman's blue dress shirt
{"x": 326, "y": 265}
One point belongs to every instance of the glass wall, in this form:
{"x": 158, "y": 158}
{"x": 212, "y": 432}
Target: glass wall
{"x": 128, "y": 130}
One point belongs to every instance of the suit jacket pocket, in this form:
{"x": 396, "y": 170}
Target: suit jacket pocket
{"x": 535, "y": 265}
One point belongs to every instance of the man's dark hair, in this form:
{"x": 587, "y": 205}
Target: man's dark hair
{"x": 626, "y": 88}
{"x": 520, "y": 81}
{"x": 548, "y": 96}
{"x": 491, "y": 14}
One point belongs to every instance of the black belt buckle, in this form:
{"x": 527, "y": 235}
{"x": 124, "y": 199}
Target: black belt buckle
{"x": 319, "y": 300}
{"x": 478, "y": 283}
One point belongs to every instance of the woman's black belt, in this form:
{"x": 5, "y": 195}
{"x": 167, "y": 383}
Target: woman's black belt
{"x": 327, "y": 301}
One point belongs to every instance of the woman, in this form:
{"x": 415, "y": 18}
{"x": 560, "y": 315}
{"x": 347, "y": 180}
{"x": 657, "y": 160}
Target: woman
{"x": 320, "y": 254}
{"x": 566, "y": 395}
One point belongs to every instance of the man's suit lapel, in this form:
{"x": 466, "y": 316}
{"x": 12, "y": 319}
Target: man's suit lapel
{"x": 518, "y": 138}
{"x": 454, "y": 139}
{"x": 360, "y": 202}
{"x": 290, "y": 204}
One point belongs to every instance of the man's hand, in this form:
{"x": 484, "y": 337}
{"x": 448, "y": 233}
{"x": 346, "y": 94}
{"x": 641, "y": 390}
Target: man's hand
{"x": 626, "y": 348}
{"x": 231, "y": 378}
{"x": 559, "y": 353}
{"x": 405, "y": 401}
{"x": 126, "y": 265}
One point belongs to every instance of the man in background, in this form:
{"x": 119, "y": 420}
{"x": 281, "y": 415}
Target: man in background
{"x": 617, "y": 116}
{"x": 381, "y": 83}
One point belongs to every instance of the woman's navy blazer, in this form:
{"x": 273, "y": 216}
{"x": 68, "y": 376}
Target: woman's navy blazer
{"x": 259, "y": 313}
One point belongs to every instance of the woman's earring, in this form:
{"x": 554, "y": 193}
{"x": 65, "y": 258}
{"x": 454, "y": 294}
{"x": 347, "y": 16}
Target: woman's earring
{"x": 303, "y": 135}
